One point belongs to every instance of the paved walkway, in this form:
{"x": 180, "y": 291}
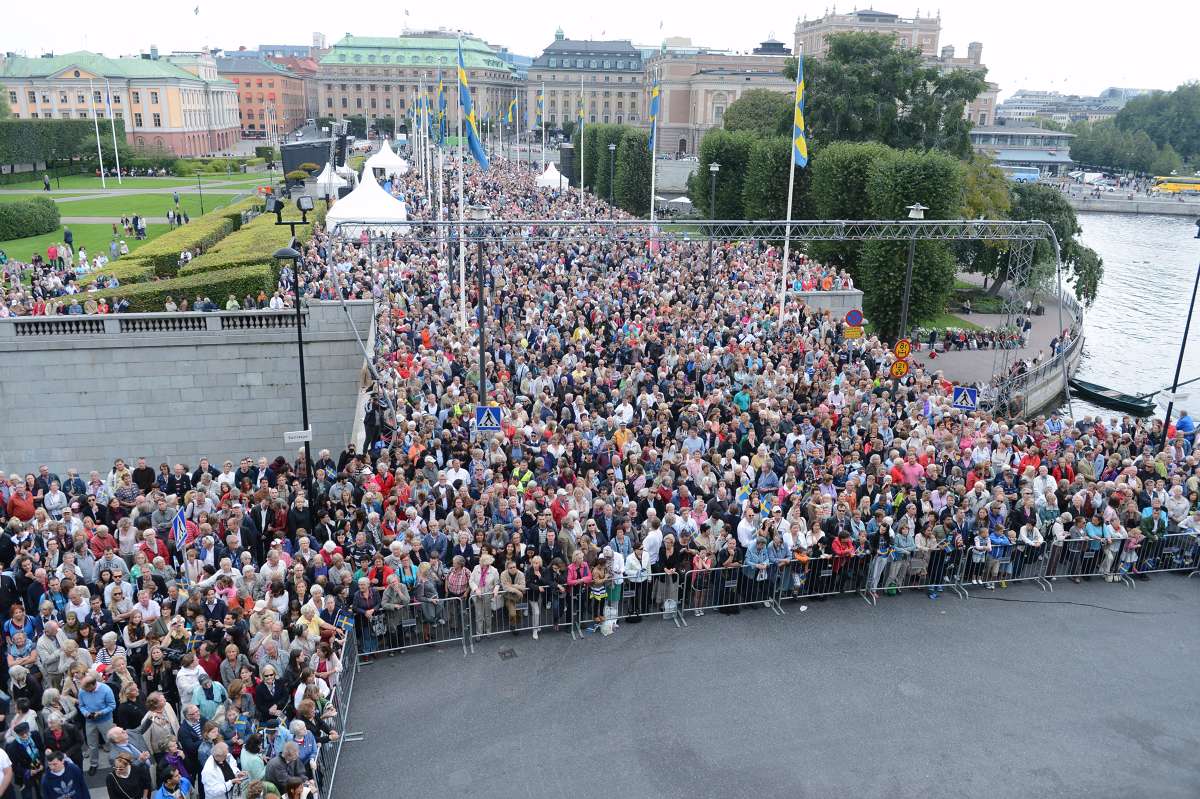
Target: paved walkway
{"x": 978, "y": 366}
{"x": 114, "y": 188}
{"x": 101, "y": 220}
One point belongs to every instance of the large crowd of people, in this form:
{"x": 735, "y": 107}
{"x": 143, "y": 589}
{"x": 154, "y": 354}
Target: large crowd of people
{"x": 183, "y": 622}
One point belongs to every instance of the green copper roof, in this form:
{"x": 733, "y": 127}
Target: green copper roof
{"x": 416, "y": 51}
{"x": 19, "y": 67}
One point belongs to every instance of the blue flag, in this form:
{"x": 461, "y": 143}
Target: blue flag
{"x": 654, "y": 95}
{"x": 799, "y": 137}
{"x": 468, "y": 111}
{"x": 179, "y": 531}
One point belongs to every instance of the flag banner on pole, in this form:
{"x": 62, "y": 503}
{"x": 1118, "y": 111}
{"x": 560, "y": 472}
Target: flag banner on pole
{"x": 470, "y": 124}
{"x": 654, "y": 95}
{"x": 179, "y": 530}
{"x": 512, "y": 111}
{"x": 799, "y": 138}
{"x": 539, "y": 110}
{"x": 441, "y": 110}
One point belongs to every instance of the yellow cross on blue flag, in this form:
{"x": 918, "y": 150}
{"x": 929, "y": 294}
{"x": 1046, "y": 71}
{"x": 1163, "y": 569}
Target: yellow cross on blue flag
{"x": 467, "y": 109}
{"x": 512, "y": 111}
{"x": 799, "y": 138}
{"x": 654, "y": 93}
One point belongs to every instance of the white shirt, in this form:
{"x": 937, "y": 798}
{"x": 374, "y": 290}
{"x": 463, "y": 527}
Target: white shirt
{"x": 651, "y": 544}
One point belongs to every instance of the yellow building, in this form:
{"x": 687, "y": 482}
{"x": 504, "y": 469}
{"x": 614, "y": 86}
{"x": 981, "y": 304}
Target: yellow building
{"x": 175, "y": 104}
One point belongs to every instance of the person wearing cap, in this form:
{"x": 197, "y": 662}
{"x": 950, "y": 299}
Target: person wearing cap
{"x": 62, "y": 779}
{"x": 27, "y": 763}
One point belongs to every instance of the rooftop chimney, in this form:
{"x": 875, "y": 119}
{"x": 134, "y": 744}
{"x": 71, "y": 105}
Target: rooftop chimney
{"x": 948, "y": 51}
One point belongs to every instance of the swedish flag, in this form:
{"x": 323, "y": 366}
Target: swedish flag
{"x": 799, "y": 137}
{"x": 654, "y": 97}
{"x": 539, "y": 110}
{"x": 441, "y": 109}
{"x": 512, "y": 111}
{"x": 581, "y": 116}
{"x": 468, "y": 111}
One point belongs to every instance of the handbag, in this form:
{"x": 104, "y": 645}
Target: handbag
{"x": 378, "y": 625}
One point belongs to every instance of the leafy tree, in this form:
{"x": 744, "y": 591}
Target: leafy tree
{"x": 5, "y": 108}
{"x": 732, "y": 152}
{"x": 601, "y": 167}
{"x": 633, "y": 172}
{"x": 568, "y": 129}
{"x": 986, "y": 190}
{"x": 764, "y": 194}
{"x": 1167, "y": 161}
{"x": 838, "y": 190}
{"x": 1167, "y": 117}
{"x": 936, "y": 181}
{"x": 762, "y": 112}
{"x": 867, "y": 89}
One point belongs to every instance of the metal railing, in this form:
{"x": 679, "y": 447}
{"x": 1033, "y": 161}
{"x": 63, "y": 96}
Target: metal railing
{"x": 341, "y": 691}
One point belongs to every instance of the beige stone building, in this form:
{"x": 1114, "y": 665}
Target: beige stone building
{"x": 917, "y": 32}
{"x": 697, "y": 85}
{"x": 609, "y": 74}
{"x": 982, "y": 110}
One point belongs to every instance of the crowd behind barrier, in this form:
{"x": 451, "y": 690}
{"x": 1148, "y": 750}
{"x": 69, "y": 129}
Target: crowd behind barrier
{"x": 669, "y": 446}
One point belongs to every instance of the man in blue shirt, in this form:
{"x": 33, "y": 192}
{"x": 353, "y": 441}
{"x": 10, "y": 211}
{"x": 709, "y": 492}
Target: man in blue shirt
{"x": 96, "y": 703}
{"x": 63, "y": 779}
{"x": 1186, "y": 429}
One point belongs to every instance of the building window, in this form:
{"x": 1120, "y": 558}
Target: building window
{"x": 137, "y": 97}
{"x": 371, "y": 59}
{"x": 157, "y": 120}
{"x": 607, "y": 64}
{"x": 341, "y": 56}
{"x": 373, "y": 105}
{"x": 153, "y": 98}
{"x": 343, "y": 102}
{"x": 387, "y": 102}
{"x": 12, "y": 97}
{"x": 137, "y": 120}
{"x": 387, "y": 59}
{"x": 33, "y": 97}
{"x": 718, "y": 113}
{"x": 116, "y": 98}
{"x": 65, "y": 115}
{"x": 82, "y": 115}
{"x": 579, "y": 63}
{"x": 358, "y": 102}
{"x": 119, "y": 114}
{"x": 357, "y": 58}
{"x": 553, "y": 62}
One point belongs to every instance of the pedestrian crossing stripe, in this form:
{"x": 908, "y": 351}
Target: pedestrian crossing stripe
{"x": 488, "y": 418}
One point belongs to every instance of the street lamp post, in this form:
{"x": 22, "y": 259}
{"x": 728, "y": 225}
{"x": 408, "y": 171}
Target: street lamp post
{"x": 713, "y": 169}
{"x": 612, "y": 171}
{"x": 200, "y": 189}
{"x": 1187, "y": 326}
{"x": 290, "y": 253}
{"x": 480, "y": 213}
{"x": 915, "y": 211}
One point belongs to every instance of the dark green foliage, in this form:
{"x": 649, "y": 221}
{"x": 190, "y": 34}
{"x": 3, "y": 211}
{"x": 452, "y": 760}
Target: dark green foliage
{"x": 1167, "y": 118}
{"x": 31, "y": 141}
{"x": 31, "y": 217}
{"x": 633, "y": 172}
{"x": 731, "y": 151}
{"x": 762, "y": 112}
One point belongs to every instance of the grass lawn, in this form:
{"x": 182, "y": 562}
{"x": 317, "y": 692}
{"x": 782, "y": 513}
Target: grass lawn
{"x": 152, "y": 205}
{"x": 945, "y": 320}
{"x": 13, "y": 197}
{"x": 89, "y": 182}
{"x": 93, "y": 238}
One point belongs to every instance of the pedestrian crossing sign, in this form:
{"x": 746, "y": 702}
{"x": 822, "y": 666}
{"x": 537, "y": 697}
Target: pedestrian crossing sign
{"x": 964, "y": 398}
{"x": 487, "y": 419}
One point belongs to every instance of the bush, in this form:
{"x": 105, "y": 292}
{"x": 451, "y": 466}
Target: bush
{"x": 310, "y": 167}
{"x": 253, "y": 244}
{"x": 150, "y": 297}
{"x": 266, "y": 152}
{"x": 297, "y": 176}
{"x": 162, "y": 254}
{"x": 127, "y": 270}
{"x": 31, "y": 217}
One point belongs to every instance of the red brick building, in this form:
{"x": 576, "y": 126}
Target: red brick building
{"x": 270, "y": 97}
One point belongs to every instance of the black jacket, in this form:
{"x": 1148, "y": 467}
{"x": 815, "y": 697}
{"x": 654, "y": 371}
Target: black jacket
{"x": 23, "y": 764}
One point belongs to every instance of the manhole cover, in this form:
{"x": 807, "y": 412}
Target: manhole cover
{"x": 507, "y": 654}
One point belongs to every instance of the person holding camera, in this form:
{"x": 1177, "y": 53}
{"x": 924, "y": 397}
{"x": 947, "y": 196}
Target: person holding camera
{"x": 220, "y": 779}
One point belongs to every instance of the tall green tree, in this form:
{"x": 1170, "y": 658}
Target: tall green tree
{"x": 1167, "y": 117}
{"x": 5, "y": 108}
{"x": 838, "y": 190}
{"x": 633, "y": 172}
{"x": 936, "y": 181}
{"x": 762, "y": 112}
{"x": 764, "y": 193}
{"x": 602, "y": 166}
{"x": 1167, "y": 161}
{"x": 731, "y": 151}
{"x": 868, "y": 89}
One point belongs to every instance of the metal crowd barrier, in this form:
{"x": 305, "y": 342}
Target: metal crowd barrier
{"x": 628, "y": 600}
{"x": 421, "y": 624}
{"x": 730, "y": 588}
{"x": 1080, "y": 559}
{"x": 1171, "y": 552}
{"x": 533, "y": 610}
{"x": 330, "y": 752}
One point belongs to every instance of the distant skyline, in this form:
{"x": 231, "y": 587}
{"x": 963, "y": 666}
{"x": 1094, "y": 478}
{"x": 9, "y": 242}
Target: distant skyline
{"x": 1066, "y": 47}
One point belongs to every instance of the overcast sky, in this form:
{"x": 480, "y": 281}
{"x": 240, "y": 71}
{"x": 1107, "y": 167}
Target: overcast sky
{"x": 1039, "y": 44}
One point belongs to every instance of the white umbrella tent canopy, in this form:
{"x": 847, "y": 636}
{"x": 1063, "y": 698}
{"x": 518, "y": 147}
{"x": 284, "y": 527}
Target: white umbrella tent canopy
{"x": 551, "y": 178}
{"x": 367, "y": 206}
{"x": 328, "y": 182}
{"x": 387, "y": 161}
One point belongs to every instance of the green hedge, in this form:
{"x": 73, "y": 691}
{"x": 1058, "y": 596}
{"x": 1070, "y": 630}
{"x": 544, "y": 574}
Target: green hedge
{"x": 150, "y": 297}
{"x": 162, "y": 254}
{"x": 128, "y": 270}
{"x": 253, "y": 244}
{"x": 32, "y": 217}
{"x": 30, "y": 141}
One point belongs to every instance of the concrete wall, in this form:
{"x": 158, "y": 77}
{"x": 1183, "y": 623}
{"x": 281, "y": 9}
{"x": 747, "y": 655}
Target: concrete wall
{"x": 1118, "y": 205}
{"x": 82, "y": 391}
{"x": 1046, "y": 386}
{"x": 837, "y": 301}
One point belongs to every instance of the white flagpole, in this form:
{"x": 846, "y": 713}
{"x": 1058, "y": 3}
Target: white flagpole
{"x": 502, "y": 132}
{"x": 96, "y": 125}
{"x": 654, "y": 142}
{"x": 462, "y": 250}
{"x": 787, "y": 230}
{"x": 542, "y": 114}
{"x": 579, "y": 155}
{"x": 112, "y": 126}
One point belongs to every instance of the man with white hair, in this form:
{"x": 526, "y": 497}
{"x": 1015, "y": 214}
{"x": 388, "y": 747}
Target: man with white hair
{"x": 220, "y": 776}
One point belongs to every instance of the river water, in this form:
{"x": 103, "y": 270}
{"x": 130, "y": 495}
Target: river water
{"x": 1134, "y": 328}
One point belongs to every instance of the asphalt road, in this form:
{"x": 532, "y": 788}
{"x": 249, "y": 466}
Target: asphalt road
{"x": 1089, "y": 691}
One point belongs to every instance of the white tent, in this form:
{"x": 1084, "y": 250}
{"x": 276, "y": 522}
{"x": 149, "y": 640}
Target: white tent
{"x": 328, "y": 182}
{"x": 388, "y": 161}
{"x": 367, "y": 206}
{"x": 551, "y": 178}
{"x": 682, "y": 203}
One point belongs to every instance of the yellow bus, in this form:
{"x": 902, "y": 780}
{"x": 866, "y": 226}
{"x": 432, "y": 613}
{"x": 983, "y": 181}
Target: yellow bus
{"x": 1173, "y": 184}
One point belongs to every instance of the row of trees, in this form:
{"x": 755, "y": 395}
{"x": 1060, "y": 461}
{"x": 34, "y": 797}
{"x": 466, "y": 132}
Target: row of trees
{"x": 623, "y": 174}
{"x": 1168, "y": 118}
{"x": 1106, "y": 145}
{"x": 53, "y": 141}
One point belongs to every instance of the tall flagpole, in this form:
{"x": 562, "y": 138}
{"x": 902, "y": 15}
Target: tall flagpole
{"x": 582, "y": 114}
{"x": 462, "y": 250}
{"x": 502, "y": 132}
{"x": 654, "y": 146}
{"x": 787, "y": 230}
{"x": 96, "y": 125}
{"x": 112, "y": 126}
{"x": 542, "y": 115}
